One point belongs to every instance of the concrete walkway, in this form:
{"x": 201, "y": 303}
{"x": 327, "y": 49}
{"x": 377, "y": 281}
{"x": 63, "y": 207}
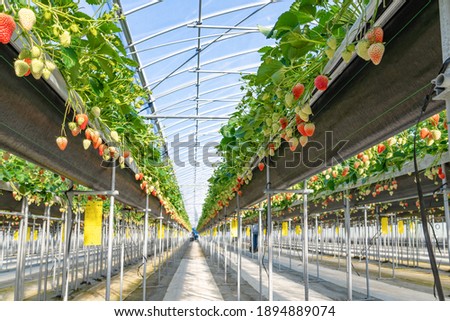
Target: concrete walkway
{"x": 286, "y": 289}
{"x": 193, "y": 280}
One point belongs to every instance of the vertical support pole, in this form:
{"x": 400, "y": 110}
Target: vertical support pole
{"x": 317, "y": 245}
{"x": 46, "y": 245}
{"x": 110, "y": 234}
{"x": 280, "y": 239}
{"x": 290, "y": 243}
{"x": 446, "y": 209}
{"x": 378, "y": 242}
{"x": 349, "y": 256}
{"x": 77, "y": 242}
{"x": 122, "y": 257}
{"x": 225, "y": 244}
{"x": 43, "y": 249}
{"x": 160, "y": 243}
{"x": 239, "y": 261}
{"x": 391, "y": 234}
{"x": 366, "y": 246}
{"x": 20, "y": 263}
{"x": 269, "y": 234}
{"x": 66, "y": 257}
{"x": 305, "y": 242}
{"x": 155, "y": 238}
{"x": 260, "y": 246}
{"x": 145, "y": 251}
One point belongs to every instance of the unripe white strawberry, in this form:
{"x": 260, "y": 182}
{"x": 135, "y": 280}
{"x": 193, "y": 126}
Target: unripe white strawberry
{"x": 27, "y": 18}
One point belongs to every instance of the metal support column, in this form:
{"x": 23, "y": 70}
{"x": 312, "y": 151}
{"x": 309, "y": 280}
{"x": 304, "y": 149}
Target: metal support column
{"x": 305, "y": 243}
{"x": 269, "y": 235}
{"x": 260, "y": 248}
{"x": 349, "y": 256}
{"x": 66, "y": 258}
{"x": 110, "y": 234}
{"x": 225, "y": 245}
{"x": 317, "y": 244}
{"x": 145, "y": 251}
{"x": 20, "y": 263}
{"x": 160, "y": 243}
{"x": 446, "y": 209}
{"x": 239, "y": 261}
{"x": 366, "y": 247}
{"x": 290, "y": 243}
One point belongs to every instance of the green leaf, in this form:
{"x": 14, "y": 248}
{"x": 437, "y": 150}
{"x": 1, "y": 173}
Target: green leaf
{"x": 69, "y": 57}
{"x": 287, "y": 21}
{"x": 267, "y": 69}
{"x": 94, "y": 1}
{"x": 278, "y": 76}
{"x": 96, "y": 85}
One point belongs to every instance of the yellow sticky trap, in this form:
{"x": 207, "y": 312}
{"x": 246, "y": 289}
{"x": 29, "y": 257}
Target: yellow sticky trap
{"x": 28, "y": 234}
{"x": 319, "y": 229}
{"x": 35, "y": 236}
{"x": 265, "y": 232}
{"x": 93, "y": 215}
{"x": 284, "y": 229}
{"x": 161, "y": 232}
{"x": 215, "y": 231}
{"x": 16, "y": 235}
{"x": 127, "y": 233}
{"x": 234, "y": 227}
{"x": 401, "y": 227}
{"x": 384, "y": 225}
{"x": 337, "y": 230}
{"x": 63, "y": 231}
{"x": 411, "y": 226}
{"x": 248, "y": 232}
{"x": 298, "y": 230}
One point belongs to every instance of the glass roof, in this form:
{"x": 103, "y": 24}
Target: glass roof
{"x": 192, "y": 55}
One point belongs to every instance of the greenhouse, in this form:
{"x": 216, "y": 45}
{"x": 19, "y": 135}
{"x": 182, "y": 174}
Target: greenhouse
{"x": 241, "y": 150}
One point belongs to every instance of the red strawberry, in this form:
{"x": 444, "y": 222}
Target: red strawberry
{"x": 375, "y": 35}
{"x": 101, "y": 149}
{"x": 298, "y": 90}
{"x": 126, "y": 154}
{"x": 82, "y": 120}
{"x": 441, "y": 176}
{"x": 424, "y": 133}
{"x": 76, "y": 131}
{"x": 435, "y": 119}
{"x": 97, "y": 143}
{"x": 88, "y": 133}
{"x": 240, "y": 193}
{"x": 261, "y": 166}
{"x": 321, "y": 82}
{"x": 309, "y": 129}
{"x": 376, "y": 52}
{"x": 356, "y": 164}
{"x": 301, "y": 129}
{"x": 283, "y": 122}
{"x": 136, "y": 176}
{"x": 61, "y": 141}
{"x": 381, "y": 148}
{"x": 345, "y": 171}
{"x": 298, "y": 119}
{"x": 141, "y": 176}
{"x": 7, "y": 27}
{"x": 154, "y": 192}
